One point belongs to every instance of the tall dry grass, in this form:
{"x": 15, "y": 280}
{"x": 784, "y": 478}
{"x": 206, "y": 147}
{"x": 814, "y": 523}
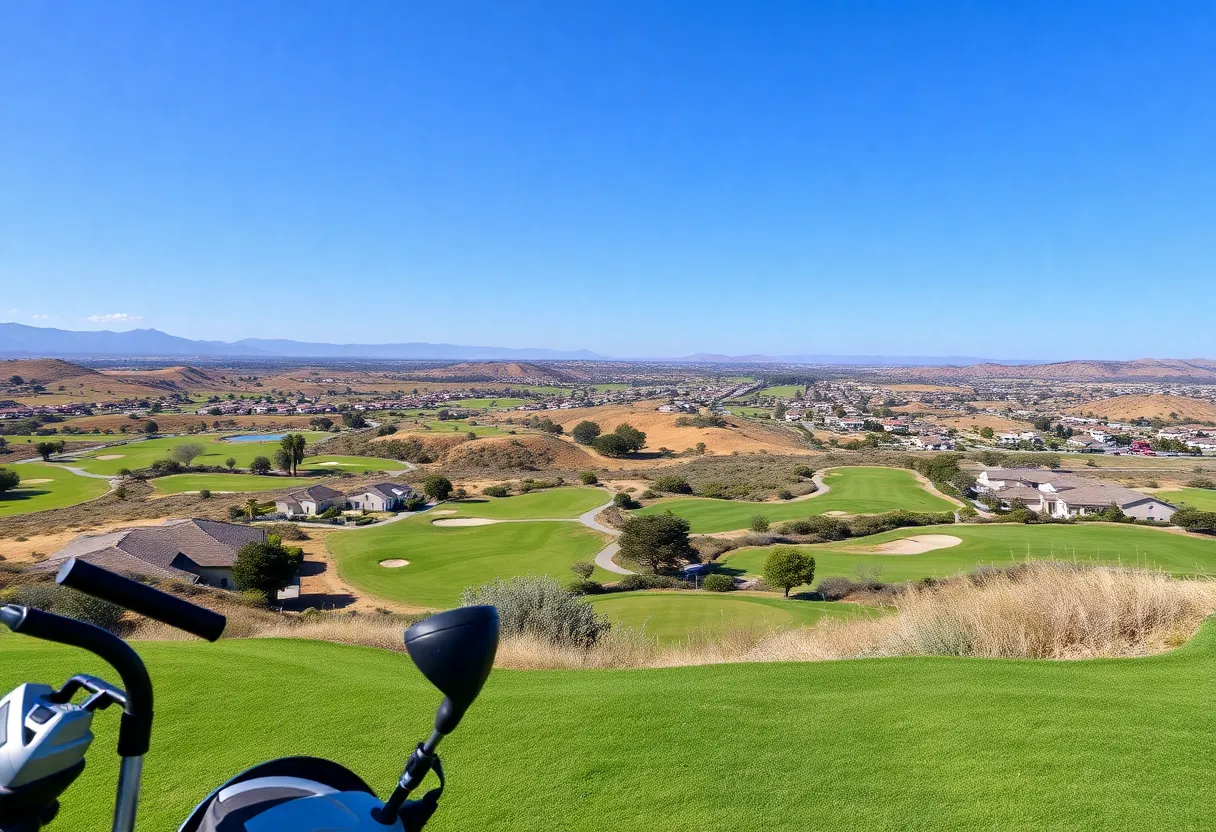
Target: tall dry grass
{"x": 1038, "y": 610}
{"x": 1041, "y": 610}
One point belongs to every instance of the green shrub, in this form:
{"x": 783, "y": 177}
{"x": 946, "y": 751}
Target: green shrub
{"x": 631, "y": 583}
{"x": 542, "y": 608}
{"x": 718, "y": 583}
{"x": 759, "y": 523}
{"x": 835, "y": 588}
{"x": 495, "y": 491}
{"x": 787, "y": 568}
{"x": 583, "y": 568}
{"x": 623, "y": 501}
{"x": 286, "y": 531}
{"x": 586, "y": 587}
{"x": 204, "y": 494}
{"x": 588, "y": 478}
{"x": 673, "y": 485}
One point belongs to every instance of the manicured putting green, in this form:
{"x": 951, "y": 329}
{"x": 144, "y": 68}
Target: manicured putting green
{"x": 875, "y": 745}
{"x": 1203, "y": 499}
{"x": 443, "y": 561}
{"x": 671, "y": 616}
{"x": 46, "y": 486}
{"x": 1001, "y": 544}
{"x": 535, "y": 505}
{"x": 236, "y": 483}
{"x": 142, "y": 453}
{"x": 860, "y": 490}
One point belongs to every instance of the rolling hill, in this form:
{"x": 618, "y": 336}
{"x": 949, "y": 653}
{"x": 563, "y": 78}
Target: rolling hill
{"x": 1169, "y": 408}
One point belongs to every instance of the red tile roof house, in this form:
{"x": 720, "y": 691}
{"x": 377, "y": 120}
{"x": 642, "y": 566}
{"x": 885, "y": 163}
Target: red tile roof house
{"x": 194, "y": 551}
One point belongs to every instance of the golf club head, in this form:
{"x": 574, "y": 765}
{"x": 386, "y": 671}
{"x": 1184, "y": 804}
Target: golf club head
{"x": 455, "y": 651}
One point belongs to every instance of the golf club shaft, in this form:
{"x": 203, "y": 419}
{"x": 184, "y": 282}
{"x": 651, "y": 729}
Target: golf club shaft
{"x": 126, "y": 801}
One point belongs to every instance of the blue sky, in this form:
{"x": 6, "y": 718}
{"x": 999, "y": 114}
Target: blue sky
{"x": 1013, "y": 180}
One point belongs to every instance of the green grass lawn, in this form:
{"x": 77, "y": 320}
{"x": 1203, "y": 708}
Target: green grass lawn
{"x": 352, "y": 464}
{"x": 183, "y": 483}
{"x": 1203, "y": 499}
{"x": 875, "y": 745}
{"x": 143, "y": 453}
{"x": 453, "y": 426}
{"x": 1002, "y": 544}
{"x": 483, "y": 404}
{"x": 535, "y": 505}
{"x": 751, "y": 412}
{"x": 860, "y": 490}
{"x": 443, "y": 561}
{"x": 780, "y": 391}
{"x": 671, "y": 616}
{"x": 62, "y": 489}
{"x": 69, "y": 438}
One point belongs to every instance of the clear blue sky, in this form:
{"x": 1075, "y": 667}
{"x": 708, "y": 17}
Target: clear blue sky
{"x": 1014, "y": 180}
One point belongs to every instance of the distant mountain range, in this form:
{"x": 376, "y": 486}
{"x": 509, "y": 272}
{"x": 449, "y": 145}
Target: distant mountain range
{"x": 18, "y": 340}
{"x": 852, "y": 360}
{"x": 21, "y": 341}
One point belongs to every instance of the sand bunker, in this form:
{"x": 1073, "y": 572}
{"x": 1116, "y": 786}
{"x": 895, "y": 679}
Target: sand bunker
{"x": 36, "y": 482}
{"x": 319, "y": 464}
{"x": 445, "y": 511}
{"x": 110, "y": 456}
{"x": 836, "y": 513}
{"x": 917, "y": 544}
{"x": 394, "y": 563}
{"x": 465, "y": 521}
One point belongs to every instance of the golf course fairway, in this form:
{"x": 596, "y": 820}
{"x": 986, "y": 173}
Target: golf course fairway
{"x": 1000, "y": 544}
{"x": 672, "y": 616}
{"x": 443, "y": 561}
{"x": 877, "y": 744}
{"x": 858, "y": 490}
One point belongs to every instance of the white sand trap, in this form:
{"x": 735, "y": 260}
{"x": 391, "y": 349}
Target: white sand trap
{"x": 918, "y": 544}
{"x": 445, "y": 511}
{"x": 43, "y": 481}
{"x": 465, "y": 521}
{"x": 836, "y": 513}
{"x": 110, "y": 456}
{"x": 394, "y": 563}
{"x": 319, "y": 464}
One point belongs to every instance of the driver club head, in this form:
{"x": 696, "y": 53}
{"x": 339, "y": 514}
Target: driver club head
{"x": 455, "y": 651}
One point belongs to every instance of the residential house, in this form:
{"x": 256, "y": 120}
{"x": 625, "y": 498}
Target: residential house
{"x": 309, "y": 501}
{"x": 1206, "y": 445}
{"x": 1063, "y": 494}
{"x": 194, "y": 551}
{"x": 384, "y": 496}
{"x": 1017, "y": 438}
{"x": 1086, "y": 444}
{"x": 933, "y": 442}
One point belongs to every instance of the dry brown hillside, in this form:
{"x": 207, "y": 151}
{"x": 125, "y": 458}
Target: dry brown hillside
{"x": 503, "y": 371}
{"x": 180, "y": 378}
{"x": 526, "y": 452}
{"x": 661, "y": 431}
{"x": 1170, "y": 408}
{"x": 77, "y": 382}
{"x": 1193, "y": 369}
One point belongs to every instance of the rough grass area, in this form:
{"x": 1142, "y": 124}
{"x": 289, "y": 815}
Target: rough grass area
{"x": 1001, "y": 544}
{"x": 858, "y": 490}
{"x": 62, "y": 489}
{"x": 883, "y": 744}
{"x": 535, "y": 505}
{"x": 672, "y": 616}
{"x": 235, "y": 483}
{"x": 443, "y": 561}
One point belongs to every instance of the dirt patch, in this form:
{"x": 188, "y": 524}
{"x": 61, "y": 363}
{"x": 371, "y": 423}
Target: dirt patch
{"x": 110, "y": 456}
{"x": 40, "y": 481}
{"x": 394, "y": 563}
{"x": 464, "y": 521}
{"x": 525, "y": 452}
{"x": 917, "y": 544}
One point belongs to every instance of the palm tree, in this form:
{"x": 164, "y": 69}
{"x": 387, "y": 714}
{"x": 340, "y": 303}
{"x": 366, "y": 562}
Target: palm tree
{"x": 251, "y": 507}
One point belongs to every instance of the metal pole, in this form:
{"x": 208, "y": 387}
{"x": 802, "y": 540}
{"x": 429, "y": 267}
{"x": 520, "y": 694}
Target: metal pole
{"x": 127, "y": 799}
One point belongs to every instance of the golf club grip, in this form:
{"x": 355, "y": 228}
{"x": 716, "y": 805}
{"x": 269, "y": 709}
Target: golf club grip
{"x": 141, "y": 598}
{"x": 136, "y": 729}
